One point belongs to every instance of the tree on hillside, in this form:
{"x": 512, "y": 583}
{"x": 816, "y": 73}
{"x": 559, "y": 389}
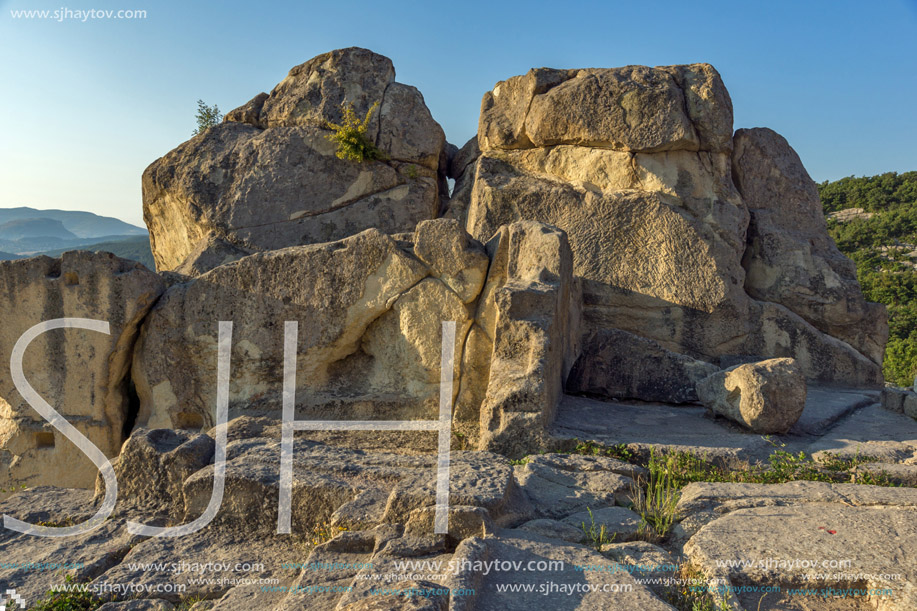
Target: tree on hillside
{"x": 207, "y": 117}
{"x": 883, "y": 247}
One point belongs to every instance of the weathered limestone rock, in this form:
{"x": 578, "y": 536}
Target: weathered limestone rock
{"x": 636, "y": 166}
{"x": 596, "y": 589}
{"x": 82, "y": 374}
{"x": 462, "y": 168}
{"x": 250, "y": 112}
{"x": 327, "y": 479}
{"x": 453, "y": 256}
{"x": 559, "y": 486}
{"x": 893, "y": 398}
{"x": 527, "y": 310}
{"x": 614, "y": 364}
{"x": 34, "y": 564}
{"x": 791, "y": 259}
{"x": 274, "y": 150}
{"x": 619, "y": 523}
{"x": 554, "y": 529}
{"x": 153, "y": 466}
{"x": 767, "y": 397}
{"x": 350, "y": 298}
{"x": 797, "y": 539}
{"x": 208, "y": 253}
{"x": 464, "y": 522}
{"x": 634, "y": 108}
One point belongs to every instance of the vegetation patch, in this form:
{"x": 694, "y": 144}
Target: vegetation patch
{"x": 74, "y": 600}
{"x": 883, "y": 244}
{"x": 675, "y": 469}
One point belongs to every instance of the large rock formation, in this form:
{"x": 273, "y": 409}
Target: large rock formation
{"x": 274, "y": 151}
{"x": 790, "y": 258}
{"x": 607, "y": 235}
{"x": 82, "y": 374}
{"x": 636, "y": 165}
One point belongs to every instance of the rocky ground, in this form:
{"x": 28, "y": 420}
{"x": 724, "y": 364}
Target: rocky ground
{"x": 560, "y": 530}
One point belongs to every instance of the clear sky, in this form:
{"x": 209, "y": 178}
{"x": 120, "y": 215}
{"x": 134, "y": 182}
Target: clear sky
{"x": 86, "y": 106}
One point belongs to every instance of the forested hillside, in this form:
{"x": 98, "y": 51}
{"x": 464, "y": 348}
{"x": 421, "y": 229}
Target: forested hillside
{"x": 874, "y": 222}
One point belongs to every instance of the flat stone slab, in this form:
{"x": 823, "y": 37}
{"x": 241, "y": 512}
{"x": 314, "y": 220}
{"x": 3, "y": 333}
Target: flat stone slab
{"x": 554, "y": 529}
{"x": 841, "y": 420}
{"x": 871, "y": 431}
{"x": 560, "y": 485}
{"x": 726, "y": 497}
{"x": 813, "y": 547}
{"x": 561, "y": 590}
{"x": 826, "y": 406}
{"x": 225, "y": 559}
{"x": 31, "y": 565}
{"x": 652, "y": 425}
{"x": 621, "y": 524}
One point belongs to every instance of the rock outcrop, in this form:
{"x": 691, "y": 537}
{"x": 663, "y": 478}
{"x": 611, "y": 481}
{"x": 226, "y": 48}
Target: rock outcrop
{"x": 638, "y": 166}
{"x": 274, "y": 151}
{"x": 82, "y": 374}
{"x": 791, "y": 259}
{"x": 607, "y": 235}
{"x": 614, "y": 363}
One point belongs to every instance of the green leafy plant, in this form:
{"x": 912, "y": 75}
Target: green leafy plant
{"x": 595, "y": 534}
{"x": 656, "y": 498}
{"x": 207, "y": 117}
{"x": 74, "y": 600}
{"x": 350, "y": 135}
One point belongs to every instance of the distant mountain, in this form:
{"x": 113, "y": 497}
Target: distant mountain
{"x": 35, "y": 228}
{"x": 81, "y": 224}
{"x": 26, "y": 232}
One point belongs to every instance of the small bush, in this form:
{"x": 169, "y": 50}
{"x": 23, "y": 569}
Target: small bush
{"x": 207, "y": 117}
{"x": 656, "y": 498}
{"x": 350, "y": 136}
{"x": 596, "y": 535}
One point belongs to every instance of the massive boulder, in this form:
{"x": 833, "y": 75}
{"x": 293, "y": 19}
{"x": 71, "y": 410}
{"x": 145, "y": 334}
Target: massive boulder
{"x": 82, "y": 374}
{"x": 791, "y": 259}
{"x": 636, "y": 165}
{"x": 268, "y": 178}
{"x": 370, "y": 310}
{"x": 336, "y": 291}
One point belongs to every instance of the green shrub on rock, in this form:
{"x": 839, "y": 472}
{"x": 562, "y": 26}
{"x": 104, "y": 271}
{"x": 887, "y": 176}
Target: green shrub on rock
{"x": 350, "y": 136}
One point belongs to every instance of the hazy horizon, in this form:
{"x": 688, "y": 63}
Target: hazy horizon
{"x": 92, "y": 103}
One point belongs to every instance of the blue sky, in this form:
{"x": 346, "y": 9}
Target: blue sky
{"x": 88, "y": 105}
